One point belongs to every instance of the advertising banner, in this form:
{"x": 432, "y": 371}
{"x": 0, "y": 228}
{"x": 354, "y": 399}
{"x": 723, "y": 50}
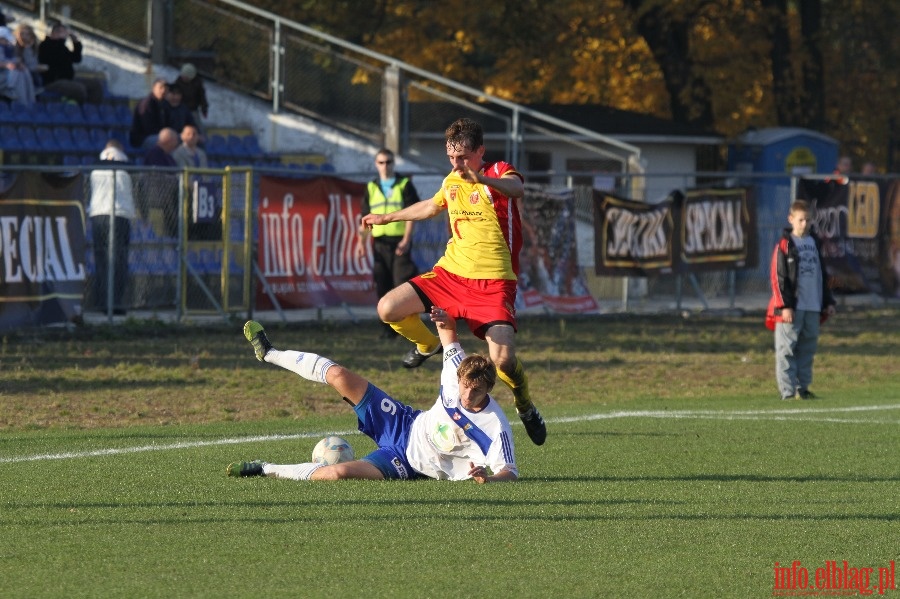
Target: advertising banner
{"x": 307, "y": 244}
{"x": 42, "y": 249}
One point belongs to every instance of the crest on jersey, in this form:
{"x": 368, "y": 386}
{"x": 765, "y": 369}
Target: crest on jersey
{"x": 474, "y": 197}
{"x": 453, "y": 192}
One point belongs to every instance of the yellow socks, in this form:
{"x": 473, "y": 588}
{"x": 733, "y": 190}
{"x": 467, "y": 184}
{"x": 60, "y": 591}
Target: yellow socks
{"x": 518, "y": 382}
{"x": 415, "y": 330}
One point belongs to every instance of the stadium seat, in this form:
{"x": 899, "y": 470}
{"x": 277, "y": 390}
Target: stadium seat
{"x": 71, "y": 114}
{"x": 91, "y": 113}
{"x": 64, "y": 139}
{"x": 6, "y": 114}
{"x": 71, "y": 160}
{"x": 251, "y": 146}
{"x": 41, "y": 114}
{"x": 83, "y": 141}
{"x": 122, "y": 115}
{"x": 236, "y": 146}
{"x": 217, "y": 145}
{"x": 9, "y": 138}
{"x": 46, "y": 139}
{"x": 98, "y": 136}
{"x": 19, "y": 113}
{"x": 28, "y": 138}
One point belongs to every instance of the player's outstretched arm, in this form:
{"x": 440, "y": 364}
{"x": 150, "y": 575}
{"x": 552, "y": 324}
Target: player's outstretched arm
{"x": 446, "y": 326}
{"x": 418, "y": 211}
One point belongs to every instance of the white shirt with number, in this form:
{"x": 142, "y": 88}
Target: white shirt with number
{"x": 438, "y": 444}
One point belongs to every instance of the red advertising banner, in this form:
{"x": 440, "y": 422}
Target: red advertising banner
{"x": 307, "y": 244}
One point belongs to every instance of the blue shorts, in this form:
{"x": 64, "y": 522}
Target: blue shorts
{"x": 387, "y": 422}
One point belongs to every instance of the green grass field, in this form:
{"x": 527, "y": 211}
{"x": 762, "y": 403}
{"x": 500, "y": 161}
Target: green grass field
{"x": 671, "y": 467}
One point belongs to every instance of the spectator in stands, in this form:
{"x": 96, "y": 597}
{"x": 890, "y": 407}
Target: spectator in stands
{"x": 193, "y": 92}
{"x": 177, "y": 115}
{"x": 149, "y": 117}
{"x": 844, "y": 166}
{"x": 60, "y": 77}
{"x": 27, "y": 52}
{"x": 111, "y": 210}
{"x": 189, "y": 153}
{"x": 869, "y": 169}
{"x": 161, "y": 152}
{"x": 15, "y": 80}
{"x": 163, "y": 187}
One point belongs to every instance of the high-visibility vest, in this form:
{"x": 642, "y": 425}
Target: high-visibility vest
{"x": 378, "y": 204}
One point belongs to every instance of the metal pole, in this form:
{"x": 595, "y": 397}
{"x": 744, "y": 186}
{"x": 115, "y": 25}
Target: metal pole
{"x": 277, "y": 52}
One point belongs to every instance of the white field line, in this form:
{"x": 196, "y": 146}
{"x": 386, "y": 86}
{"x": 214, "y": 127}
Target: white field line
{"x": 787, "y": 414}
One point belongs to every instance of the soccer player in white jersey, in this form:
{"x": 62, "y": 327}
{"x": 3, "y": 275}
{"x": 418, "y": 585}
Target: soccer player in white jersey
{"x": 465, "y": 435}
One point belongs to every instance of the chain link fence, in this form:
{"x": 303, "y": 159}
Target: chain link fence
{"x": 168, "y": 240}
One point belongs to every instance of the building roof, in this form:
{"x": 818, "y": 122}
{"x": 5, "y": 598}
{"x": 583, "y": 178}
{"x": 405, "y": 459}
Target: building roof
{"x": 621, "y": 124}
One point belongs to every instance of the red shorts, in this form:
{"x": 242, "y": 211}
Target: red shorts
{"x": 482, "y": 303}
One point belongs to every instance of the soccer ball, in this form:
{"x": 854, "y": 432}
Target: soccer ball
{"x": 332, "y": 450}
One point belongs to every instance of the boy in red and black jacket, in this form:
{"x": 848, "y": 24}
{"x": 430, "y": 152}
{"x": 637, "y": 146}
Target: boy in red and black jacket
{"x": 801, "y": 301}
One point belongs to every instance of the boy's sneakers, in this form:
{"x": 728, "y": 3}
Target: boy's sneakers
{"x": 256, "y": 335}
{"x": 254, "y": 468}
{"x": 414, "y": 358}
{"x": 805, "y": 394}
{"x": 790, "y": 397}
{"x": 534, "y": 425}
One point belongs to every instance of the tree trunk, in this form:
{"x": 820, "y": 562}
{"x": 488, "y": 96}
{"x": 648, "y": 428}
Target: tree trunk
{"x": 668, "y": 37}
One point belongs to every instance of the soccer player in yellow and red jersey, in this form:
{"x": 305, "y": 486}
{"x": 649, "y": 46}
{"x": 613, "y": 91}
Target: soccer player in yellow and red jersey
{"x": 475, "y": 279}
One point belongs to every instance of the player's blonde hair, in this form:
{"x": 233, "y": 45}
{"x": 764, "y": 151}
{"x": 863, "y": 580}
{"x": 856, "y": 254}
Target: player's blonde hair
{"x": 477, "y": 369}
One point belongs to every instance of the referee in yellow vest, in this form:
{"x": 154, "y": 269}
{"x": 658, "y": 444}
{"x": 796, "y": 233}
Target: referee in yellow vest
{"x": 391, "y": 243}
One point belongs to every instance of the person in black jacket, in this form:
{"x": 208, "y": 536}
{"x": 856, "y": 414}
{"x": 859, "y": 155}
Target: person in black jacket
{"x": 149, "y": 117}
{"x": 60, "y": 77}
{"x": 801, "y": 301}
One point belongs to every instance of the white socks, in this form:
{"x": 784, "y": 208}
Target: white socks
{"x": 308, "y": 365}
{"x": 291, "y": 471}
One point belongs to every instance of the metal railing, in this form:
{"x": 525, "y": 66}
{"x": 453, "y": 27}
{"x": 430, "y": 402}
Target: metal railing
{"x": 298, "y": 68}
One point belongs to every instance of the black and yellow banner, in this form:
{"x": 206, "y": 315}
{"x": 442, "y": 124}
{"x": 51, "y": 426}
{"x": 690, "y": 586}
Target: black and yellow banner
{"x": 702, "y": 229}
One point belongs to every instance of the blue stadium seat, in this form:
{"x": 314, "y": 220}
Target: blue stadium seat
{"x": 122, "y": 115}
{"x": 20, "y": 113}
{"x": 46, "y": 139}
{"x": 71, "y": 160}
{"x": 236, "y": 146}
{"x": 91, "y": 113}
{"x": 71, "y": 114}
{"x": 28, "y": 138}
{"x": 6, "y": 114}
{"x": 83, "y": 141}
{"x": 64, "y": 139}
{"x": 217, "y": 145}
{"x": 98, "y": 136}
{"x": 40, "y": 114}
{"x": 251, "y": 145}
{"x": 9, "y": 138}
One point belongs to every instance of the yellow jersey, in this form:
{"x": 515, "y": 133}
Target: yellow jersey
{"x": 485, "y": 226}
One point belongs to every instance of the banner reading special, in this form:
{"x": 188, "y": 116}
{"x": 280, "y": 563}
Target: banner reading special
{"x": 702, "y": 229}
{"x": 858, "y": 222}
{"x": 307, "y": 243}
{"x": 42, "y": 248}
{"x": 550, "y": 275}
